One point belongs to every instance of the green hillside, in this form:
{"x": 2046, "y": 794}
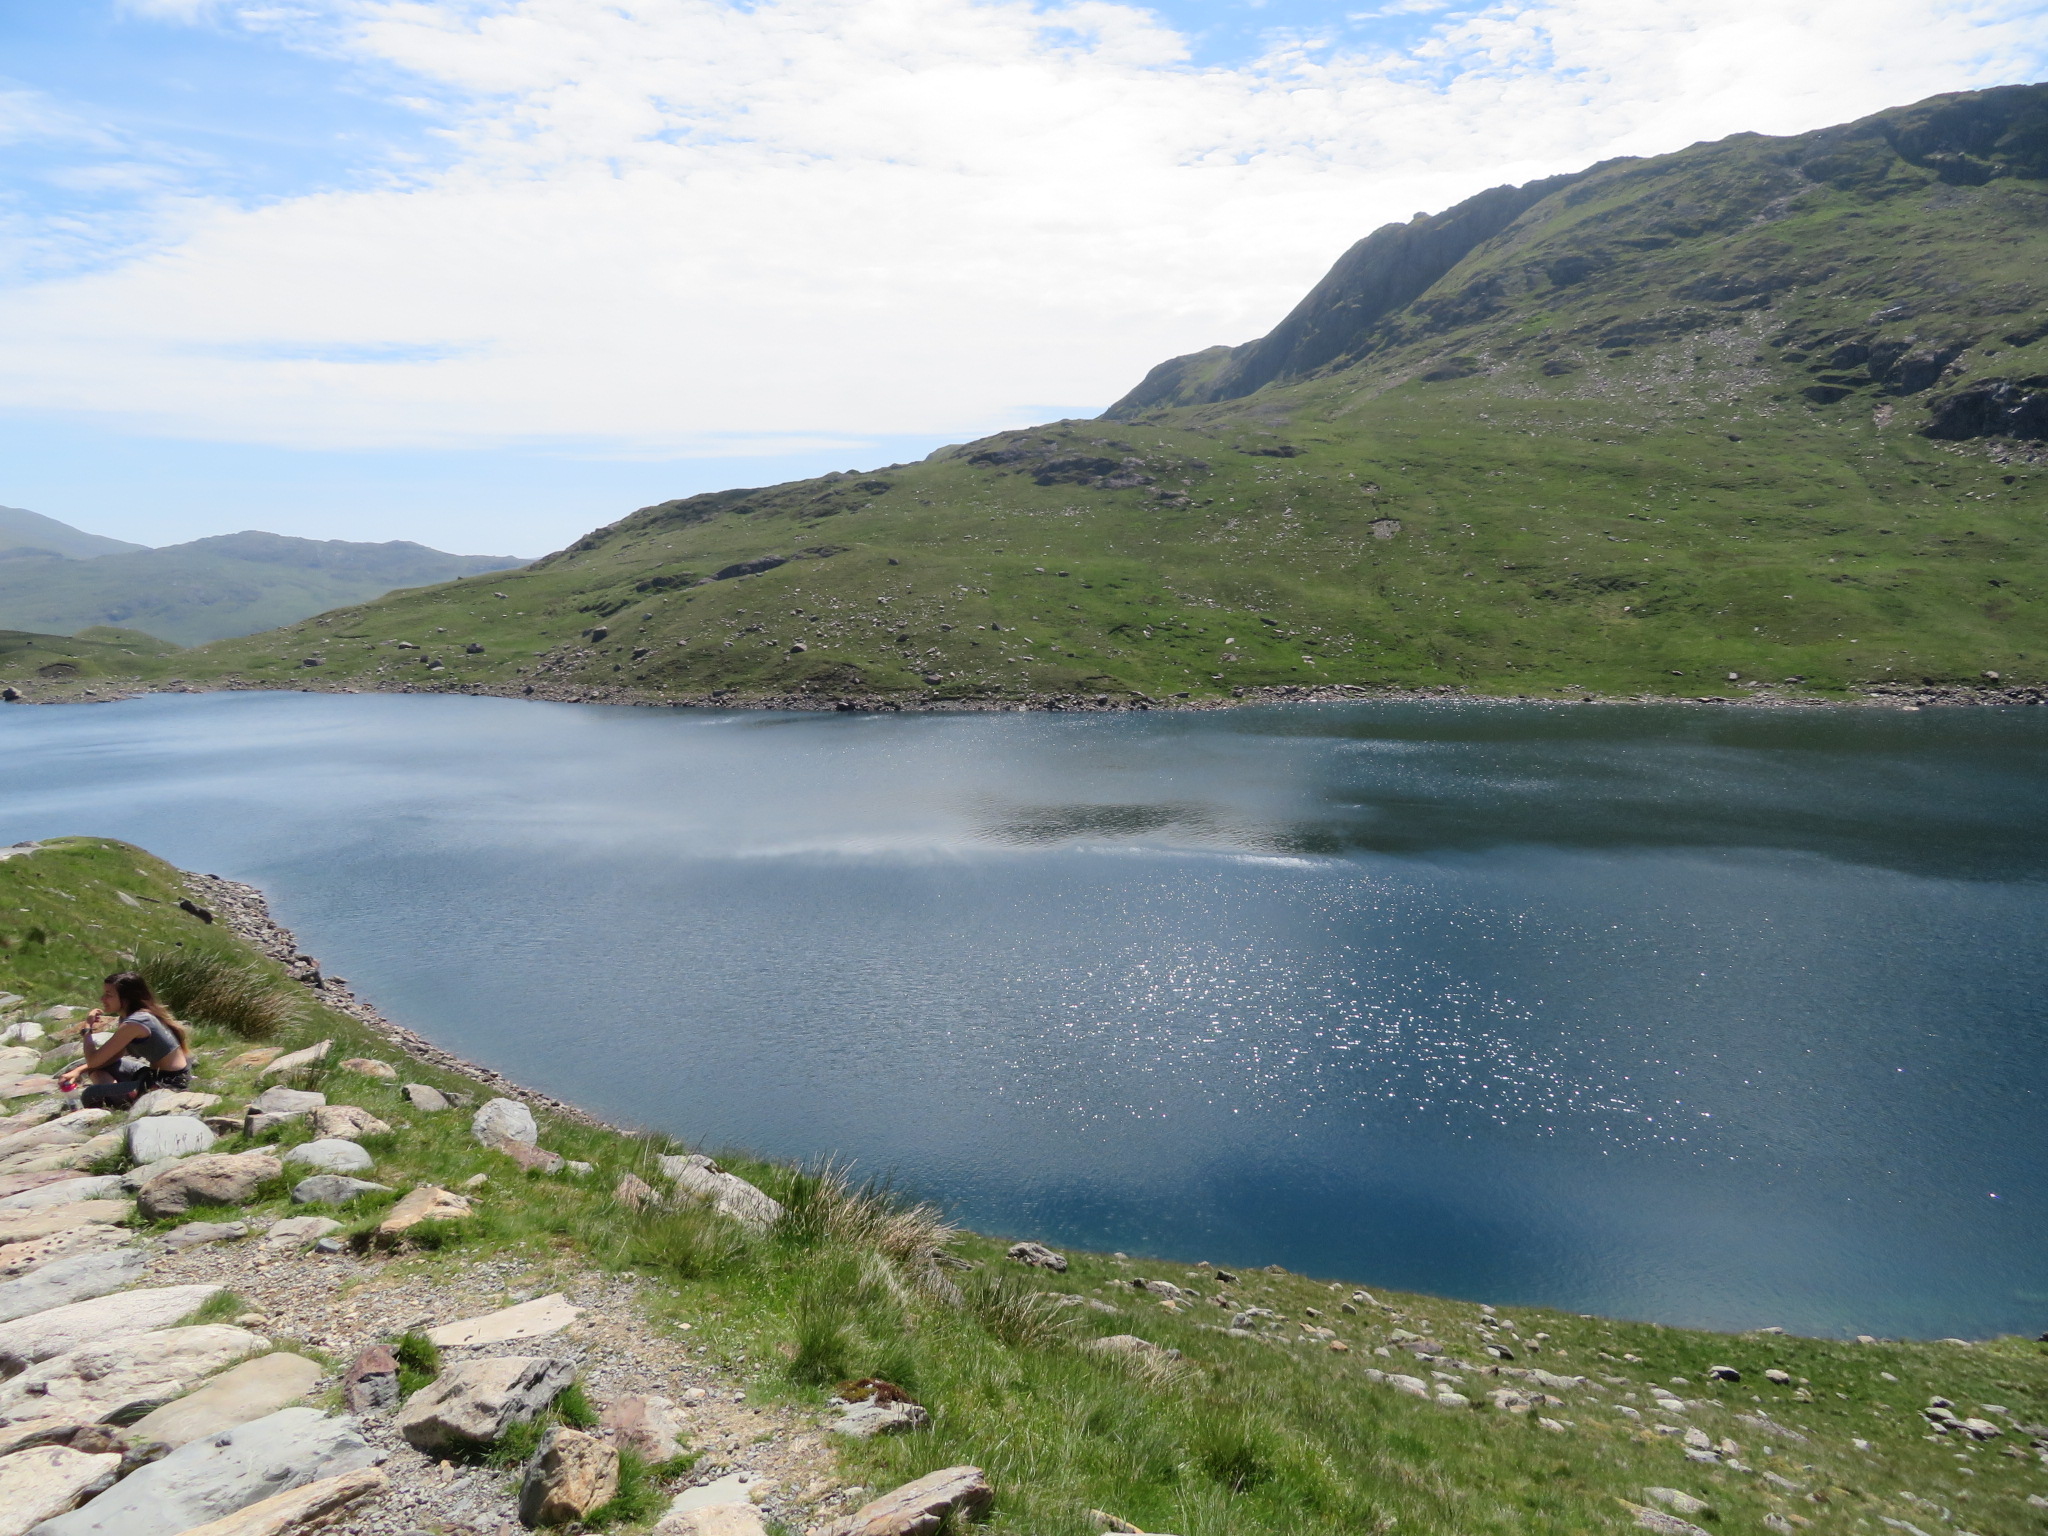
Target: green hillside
{"x": 1768, "y": 412}
{"x": 234, "y": 584}
{"x": 27, "y": 535}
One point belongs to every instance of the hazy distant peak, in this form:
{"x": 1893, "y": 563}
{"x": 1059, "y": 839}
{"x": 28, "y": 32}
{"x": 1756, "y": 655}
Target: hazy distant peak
{"x": 26, "y": 531}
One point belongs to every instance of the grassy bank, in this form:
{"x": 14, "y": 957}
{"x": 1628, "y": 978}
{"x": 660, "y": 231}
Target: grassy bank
{"x": 1272, "y": 1428}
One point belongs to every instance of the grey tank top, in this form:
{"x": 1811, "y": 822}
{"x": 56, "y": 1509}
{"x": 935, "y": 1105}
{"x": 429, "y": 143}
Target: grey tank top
{"x": 156, "y": 1042}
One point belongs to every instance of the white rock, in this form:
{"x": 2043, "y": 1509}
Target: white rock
{"x": 28, "y": 1340}
{"x": 298, "y": 1509}
{"x": 298, "y": 1059}
{"x": 712, "y": 1520}
{"x": 534, "y": 1319}
{"x": 156, "y": 1137}
{"x": 171, "y": 1101}
{"x": 75, "y": 1277}
{"x": 698, "y": 1178}
{"x": 332, "y": 1155}
{"x": 64, "y": 1191}
{"x": 207, "y": 1479}
{"x": 47, "y": 1480}
{"x": 299, "y": 1230}
{"x": 420, "y": 1096}
{"x": 504, "y": 1120}
{"x": 252, "y": 1390}
{"x": 126, "y": 1375}
{"x": 287, "y": 1101}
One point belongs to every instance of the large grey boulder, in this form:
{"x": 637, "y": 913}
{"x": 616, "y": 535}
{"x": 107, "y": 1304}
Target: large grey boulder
{"x": 332, "y": 1155}
{"x": 171, "y": 1101}
{"x": 105, "y": 1186}
{"x": 214, "y": 1477}
{"x": 420, "y": 1096}
{"x": 75, "y": 1277}
{"x": 698, "y": 1178}
{"x": 156, "y": 1137}
{"x": 286, "y": 1101}
{"x": 20, "y": 1258}
{"x": 124, "y": 1376}
{"x": 347, "y": 1121}
{"x": 47, "y": 1480}
{"x": 472, "y": 1403}
{"x": 921, "y": 1507}
{"x": 218, "y": 1178}
{"x": 504, "y": 1120}
{"x": 27, "y": 1340}
{"x": 252, "y": 1390}
{"x": 333, "y": 1189}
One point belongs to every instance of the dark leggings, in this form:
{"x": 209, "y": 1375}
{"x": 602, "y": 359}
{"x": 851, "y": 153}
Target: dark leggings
{"x": 125, "y": 1090}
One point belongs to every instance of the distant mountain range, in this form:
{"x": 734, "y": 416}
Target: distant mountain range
{"x": 57, "y": 580}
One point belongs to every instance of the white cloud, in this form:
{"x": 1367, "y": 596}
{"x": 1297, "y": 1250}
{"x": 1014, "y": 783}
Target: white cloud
{"x": 690, "y": 226}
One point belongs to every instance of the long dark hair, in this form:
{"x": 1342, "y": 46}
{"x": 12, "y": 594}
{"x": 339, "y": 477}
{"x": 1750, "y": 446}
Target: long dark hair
{"x": 135, "y": 996}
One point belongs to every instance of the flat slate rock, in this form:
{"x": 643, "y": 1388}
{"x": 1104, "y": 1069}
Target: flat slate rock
{"x": 27, "y": 1340}
{"x": 298, "y": 1060}
{"x": 205, "y": 1480}
{"x": 287, "y": 1101}
{"x": 298, "y": 1508}
{"x": 75, "y": 1277}
{"x": 712, "y": 1520}
{"x": 252, "y": 1390}
{"x": 159, "y": 1136}
{"x": 62, "y": 1190}
{"x": 23, "y": 1258}
{"x": 27, "y": 1226}
{"x": 534, "y": 1319}
{"x": 472, "y": 1403}
{"x": 330, "y": 1155}
{"x": 171, "y": 1101}
{"x": 48, "y": 1480}
{"x": 300, "y": 1229}
{"x": 125, "y": 1376}
{"x": 16, "y": 1183}
{"x": 193, "y": 1233}
{"x": 333, "y": 1189}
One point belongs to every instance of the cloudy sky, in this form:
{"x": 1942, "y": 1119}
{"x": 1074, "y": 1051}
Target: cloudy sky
{"x": 486, "y": 273}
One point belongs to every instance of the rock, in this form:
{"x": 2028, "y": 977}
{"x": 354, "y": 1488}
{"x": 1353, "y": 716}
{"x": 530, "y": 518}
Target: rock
{"x": 120, "y": 1377}
{"x": 504, "y": 1120}
{"x": 346, "y": 1122}
{"x": 533, "y": 1159}
{"x": 205, "y": 1480}
{"x": 472, "y": 1403}
{"x": 22, "y": 1258}
{"x": 63, "y": 1191}
{"x": 135, "y": 1178}
{"x": 333, "y": 1189}
{"x": 299, "y": 1508}
{"x": 864, "y": 1421}
{"x": 16, "y": 1183}
{"x": 420, "y": 1096}
{"x": 1039, "y": 1255}
{"x": 1674, "y": 1499}
{"x": 1723, "y": 1373}
{"x": 193, "y": 1233}
{"x": 428, "y": 1202}
{"x": 78, "y": 1155}
{"x": 922, "y": 1507}
{"x": 48, "y": 1480}
{"x": 280, "y": 1100}
{"x": 648, "y": 1426}
{"x": 299, "y": 1060}
{"x": 1656, "y": 1520}
{"x": 534, "y": 1319}
{"x": 371, "y": 1385}
{"x": 216, "y": 1178}
{"x": 27, "y": 1340}
{"x": 569, "y": 1476}
{"x": 698, "y": 1178}
{"x": 159, "y": 1136}
{"x": 580, "y": 1170}
{"x": 332, "y": 1155}
{"x": 712, "y": 1520}
{"x": 1129, "y": 1344}
{"x": 170, "y": 1101}
{"x": 300, "y": 1230}
{"x": 1778, "y": 1378}
{"x": 27, "y": 1226}
{"x": 251, "y": 1390}
{"x": 633, "y": 1192}
{"x": 262, "y": 1056}
{"x": 75, "y": 1277}
{"x": 369, "y": 1066}
{"x": 330, "y": 1245}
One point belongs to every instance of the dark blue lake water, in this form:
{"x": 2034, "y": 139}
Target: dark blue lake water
{"x": 1707, "y": 1016}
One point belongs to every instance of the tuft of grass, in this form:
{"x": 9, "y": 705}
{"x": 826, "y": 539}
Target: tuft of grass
{"x": 640, "y": 1499}
{"x": 220, "y": 1307}
{"x": 419, "y": 1362}
{"x": 204, "y": 987}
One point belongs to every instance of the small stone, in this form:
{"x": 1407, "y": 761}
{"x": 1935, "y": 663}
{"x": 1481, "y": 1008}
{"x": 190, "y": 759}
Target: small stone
{"x": 864, "y": 1421}
{"x": 193, "y": 1233}
{"x": 922, "y": 1507}
{"x": 504, "y": 1120}
{"x": 1723, "y": 1373}
{"x": 159, "y": 1136}
{"x": 371, "y": 1385}
{"x": 46, "y": 1481}
{"x": 216, "y": 1178}
{"x": 648, "y": 1426}
{"x": 571, "y": 1474}
{"x": 534, "y": 1319}
{"x": 634, "y": 1192}
{"x": 1039, "y": 1255}
{"x": 346, "y": 1122}
{"x": 1778, "y": 1378}
{"x": 330, "y": 1245}
{"x": 1674, "y": 1499}
{"x": 298, "y": 1509}
{"x": 420, "y": 1096}
{"x": 298, "y": 1061}
{"x": 334, "y": 1189}
{"x": 299, "y": 1230}
{"x": 251, "y": 1390}
{"x": 368, "y": 1066}
{"x": 473, "y": 1403}
{"x": 170, "y": 1101}
{"x": 332, "y": 1155}
{"x": 428, "y": 1202}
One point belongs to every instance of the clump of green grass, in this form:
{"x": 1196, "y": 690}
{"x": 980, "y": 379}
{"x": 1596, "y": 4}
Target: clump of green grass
{"x": 220, "y": 1307}
{"x": 206, "y": 987}
{"x": 419, "y": 1362}
{"x": 640, "y": 1499}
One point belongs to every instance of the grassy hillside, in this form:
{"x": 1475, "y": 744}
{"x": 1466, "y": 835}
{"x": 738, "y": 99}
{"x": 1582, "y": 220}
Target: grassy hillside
{"x": 235, "y": 584}
{"x": 73, "y": 662}
{"x": 1271, "y": 1428}
{"x": 1773, "y": 408}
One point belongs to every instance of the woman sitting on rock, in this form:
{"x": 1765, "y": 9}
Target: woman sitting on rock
{"x": 146, "y": 1031}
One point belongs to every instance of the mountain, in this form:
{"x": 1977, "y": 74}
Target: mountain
{"x": 1765, "y": 412}
{"x": 28, "y": 534}
{"x": 234, "y": 584}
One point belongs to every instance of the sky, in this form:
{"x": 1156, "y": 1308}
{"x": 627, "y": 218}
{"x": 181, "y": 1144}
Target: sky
{"x": 489, "y": 273}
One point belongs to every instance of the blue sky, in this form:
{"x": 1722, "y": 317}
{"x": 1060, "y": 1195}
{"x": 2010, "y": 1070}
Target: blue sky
{"x": 487, "y": 273}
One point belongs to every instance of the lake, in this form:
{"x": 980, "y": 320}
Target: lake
{"x": 1711, "y": 1016}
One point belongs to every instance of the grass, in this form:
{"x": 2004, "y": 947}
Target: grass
{"x": 220, "y": 1307}
{"x": 205, "y": 987}
{"x": 1274, "y": 1433}
{"x": 419, "y": 1362}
